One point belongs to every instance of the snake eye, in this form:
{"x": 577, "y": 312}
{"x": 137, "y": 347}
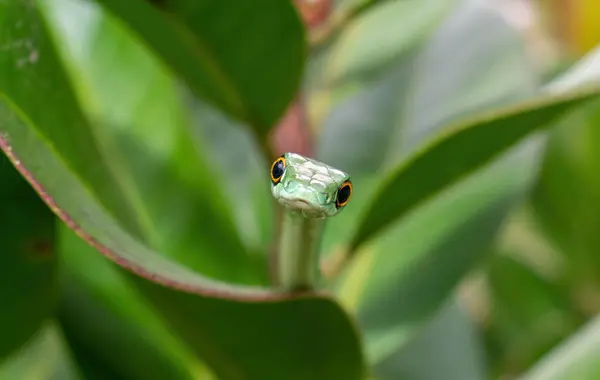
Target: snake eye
{"x": 344, "y": 194}
{"x": 277, "y": 169}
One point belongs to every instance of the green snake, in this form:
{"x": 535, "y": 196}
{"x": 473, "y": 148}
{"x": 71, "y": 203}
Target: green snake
{"x": 310, "y": 191}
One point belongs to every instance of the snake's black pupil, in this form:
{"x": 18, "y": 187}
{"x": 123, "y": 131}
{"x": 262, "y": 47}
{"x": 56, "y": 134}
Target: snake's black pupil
{"x": 343, "y": 194}
{"x": 278, "y": 169}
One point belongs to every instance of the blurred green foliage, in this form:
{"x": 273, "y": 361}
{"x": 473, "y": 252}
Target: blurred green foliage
{"x": 469, "y": 250}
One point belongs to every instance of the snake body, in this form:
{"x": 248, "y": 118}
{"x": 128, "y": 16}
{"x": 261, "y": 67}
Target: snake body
{"x": 310, "y": 191}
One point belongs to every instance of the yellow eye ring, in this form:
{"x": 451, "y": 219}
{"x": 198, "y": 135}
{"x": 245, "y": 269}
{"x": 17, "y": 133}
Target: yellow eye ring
{"x": 277, "y": 169}
{"x": 344, "y": 194}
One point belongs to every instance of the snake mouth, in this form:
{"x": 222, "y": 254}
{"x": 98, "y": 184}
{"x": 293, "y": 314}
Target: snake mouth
{"x": 301, "y": 205}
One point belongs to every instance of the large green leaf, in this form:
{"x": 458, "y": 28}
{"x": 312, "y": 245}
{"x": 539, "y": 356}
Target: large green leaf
{"x": 144, "y": 134}
{"x": 297, "y": 339}
{"x": 240, "y": 332}
{"x": 105, "y": 319}
{"x": 245, "y": 57}
{"x": 28, "y": 283}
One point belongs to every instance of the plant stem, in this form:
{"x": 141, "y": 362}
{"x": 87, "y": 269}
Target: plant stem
{"x": 298, "y": 261}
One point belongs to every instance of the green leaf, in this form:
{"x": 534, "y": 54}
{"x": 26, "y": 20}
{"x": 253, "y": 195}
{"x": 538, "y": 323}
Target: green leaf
{"x": 244, "y": 57}
{"x": 45, "y": 357}
{"x": 529, "y": 314}
{"x": 105, "y": 319}
{"x": 28, "y": 284}
{"x": 576, "y": 358}
{"x": 49, "y": 141}
{"x": 145, "y": 137}
{"x": 451, "y": 345}
{"x": 567, "y": 197}
{"x": 535, "y": 296}
{"x": 465, "y": 147}
{"x": 297, "y": 339}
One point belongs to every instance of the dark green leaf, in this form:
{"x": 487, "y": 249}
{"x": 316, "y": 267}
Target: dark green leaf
{"x": 567, "y": 198}
{"x": 245, "y": 57}
{"x": 28, "y": 286}
{"x": 105, "y": 319}
{"x": 303, "y": 338}
{"x": 529, "y": 314}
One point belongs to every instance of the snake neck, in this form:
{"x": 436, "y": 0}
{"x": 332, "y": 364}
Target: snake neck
{"x": 298, "y": 263}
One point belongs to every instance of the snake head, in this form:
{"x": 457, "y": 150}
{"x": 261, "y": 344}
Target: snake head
{"x": 309, "y": 187}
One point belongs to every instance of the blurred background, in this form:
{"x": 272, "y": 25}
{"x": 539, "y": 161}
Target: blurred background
{"x": 537, "y": 293}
